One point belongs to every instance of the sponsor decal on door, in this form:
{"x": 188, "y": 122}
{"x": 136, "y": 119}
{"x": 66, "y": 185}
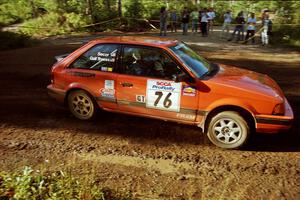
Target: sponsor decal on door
{"x": 189, "y": 91}
{"x": 108, "y": 91}
{"x": 163, "y": 95}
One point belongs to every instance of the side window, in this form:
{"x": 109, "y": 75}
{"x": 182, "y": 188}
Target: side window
{"x": 100, "y": 57}
{"x": 149, "y": 62}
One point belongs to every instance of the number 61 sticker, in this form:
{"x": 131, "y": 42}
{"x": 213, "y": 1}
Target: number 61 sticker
{"x": 163, "y": 95}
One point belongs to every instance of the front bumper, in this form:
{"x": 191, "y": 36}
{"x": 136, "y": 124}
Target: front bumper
{"x": 56, "y": 94}
{"x": 274, "y": 123}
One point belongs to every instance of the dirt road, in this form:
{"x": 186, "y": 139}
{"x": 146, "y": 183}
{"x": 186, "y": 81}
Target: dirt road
{"x": 148, "y": 158}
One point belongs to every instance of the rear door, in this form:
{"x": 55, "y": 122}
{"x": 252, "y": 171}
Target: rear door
{"x": 146, "y": 85}
{"x": 95, "y": 72}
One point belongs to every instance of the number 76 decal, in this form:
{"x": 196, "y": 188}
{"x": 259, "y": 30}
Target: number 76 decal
{"x": 163, "y": 95}
{"x": 167, "y": 102}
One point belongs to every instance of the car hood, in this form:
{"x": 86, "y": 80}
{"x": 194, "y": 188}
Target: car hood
{"x": 248, "y": 80}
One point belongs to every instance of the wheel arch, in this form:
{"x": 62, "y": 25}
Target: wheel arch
{"x": 72, "y": 89}
{"x": 246, "y": 114}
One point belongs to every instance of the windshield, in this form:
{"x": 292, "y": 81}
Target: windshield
{"x": 198, "y": 65}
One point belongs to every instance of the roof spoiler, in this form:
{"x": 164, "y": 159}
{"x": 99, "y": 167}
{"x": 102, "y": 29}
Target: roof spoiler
{"x": 60, "y": 57}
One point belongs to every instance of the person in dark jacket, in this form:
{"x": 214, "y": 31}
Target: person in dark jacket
{"x": 240, "y": 21}
{"x": 185, "y": 18}
{"x": 163, "y": 21}
{"x": 204, "y": 23}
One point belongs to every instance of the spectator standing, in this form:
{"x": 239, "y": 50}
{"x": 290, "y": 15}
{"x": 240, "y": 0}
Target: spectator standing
{"x": 173, "y": 20}
{"x": 204, "y": 22}
{"x": 251, "y": 22}
{"x": 240, "y": 21}
{"x": 163, "y": 21}
{"x": 227, "y": 21}
{"x": 211, "y": 16}
{"x": 195, "y": 18}
{"x": 199, "y": 20}
{"x": 266, "y": 29}
{"x": 185, "y": 18}
{"x": 264, "y": 13}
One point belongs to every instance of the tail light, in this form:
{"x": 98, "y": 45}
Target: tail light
{"x": 52, "y": 78}
{"x": 52, "y": 74}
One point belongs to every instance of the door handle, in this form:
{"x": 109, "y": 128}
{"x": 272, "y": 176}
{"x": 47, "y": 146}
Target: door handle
{"x": 127, "y": 84}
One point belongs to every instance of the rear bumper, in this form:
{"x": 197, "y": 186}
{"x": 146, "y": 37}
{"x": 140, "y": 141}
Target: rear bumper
{"x": 274, "y": 123}
{"x": 57, "y": 94}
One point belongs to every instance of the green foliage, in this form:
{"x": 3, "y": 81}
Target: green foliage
{"x": 134, "y": 9}
{"x": 288, "y": 35}
{"x": 30, "y": 184}
{"x": 54, "y": 24}
{"x": 14, "y": 11}
{"x": 152, "y": 10}
{"x": 50, "y": 17}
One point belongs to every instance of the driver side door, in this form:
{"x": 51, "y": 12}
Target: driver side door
{"x": 146, "y": 85}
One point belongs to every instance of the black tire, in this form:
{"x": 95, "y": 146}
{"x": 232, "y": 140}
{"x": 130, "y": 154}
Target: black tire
{"x": 81, "y": 105}
{"x": 228, "y": 130}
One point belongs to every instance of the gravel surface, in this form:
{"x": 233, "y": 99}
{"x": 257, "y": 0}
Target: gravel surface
{"x": 149, "y": 158}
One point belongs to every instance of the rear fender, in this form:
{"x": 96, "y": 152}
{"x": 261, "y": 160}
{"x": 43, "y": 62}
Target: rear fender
{"x": 78, "y": 86}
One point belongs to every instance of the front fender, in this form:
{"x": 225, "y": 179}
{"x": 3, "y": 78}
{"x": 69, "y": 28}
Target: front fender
{"x": 231, "y": 102}
{"x": 226, "y": 104}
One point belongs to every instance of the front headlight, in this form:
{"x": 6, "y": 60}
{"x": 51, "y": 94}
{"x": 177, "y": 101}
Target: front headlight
{"x": 278, "y": 109}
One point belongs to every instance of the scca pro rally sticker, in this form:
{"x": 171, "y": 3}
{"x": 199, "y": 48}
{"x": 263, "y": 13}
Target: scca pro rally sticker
{"x": 164, "y": 95}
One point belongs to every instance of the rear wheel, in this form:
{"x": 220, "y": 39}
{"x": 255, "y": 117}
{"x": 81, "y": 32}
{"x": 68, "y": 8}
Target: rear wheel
{"x": 81, "y": 105}
{"x": 228, "y": 130}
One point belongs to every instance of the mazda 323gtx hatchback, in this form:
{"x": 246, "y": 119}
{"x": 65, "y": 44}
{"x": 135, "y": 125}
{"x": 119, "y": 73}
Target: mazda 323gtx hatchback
{"x": 165, "y": 79}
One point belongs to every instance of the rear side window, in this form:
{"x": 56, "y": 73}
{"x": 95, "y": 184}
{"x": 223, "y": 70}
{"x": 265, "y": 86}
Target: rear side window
{"x": 100, "y": 57}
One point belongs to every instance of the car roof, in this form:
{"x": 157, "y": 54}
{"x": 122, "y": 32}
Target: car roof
{"x": 139, "y": 40}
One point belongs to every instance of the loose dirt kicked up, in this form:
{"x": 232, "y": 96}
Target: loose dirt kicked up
{"x": 151, "y": 159}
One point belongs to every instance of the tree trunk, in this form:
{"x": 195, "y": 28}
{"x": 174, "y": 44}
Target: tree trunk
{"x": 89, "y": 9}
{"x": 107, "y": 4}
{"x": 119, "y": 8}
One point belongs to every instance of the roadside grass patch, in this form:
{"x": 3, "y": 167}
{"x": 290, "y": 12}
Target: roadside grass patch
{"x": 35, "y": 184}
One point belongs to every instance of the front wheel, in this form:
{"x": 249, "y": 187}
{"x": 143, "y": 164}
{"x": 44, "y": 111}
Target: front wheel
{"x": 228, "y": 130}
{"x": 81, "y": 105}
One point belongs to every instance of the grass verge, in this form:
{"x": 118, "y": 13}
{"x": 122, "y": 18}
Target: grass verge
{"x": 35, "y": 184}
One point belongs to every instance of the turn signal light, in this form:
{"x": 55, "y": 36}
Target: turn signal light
{"x": 278, "y": 109}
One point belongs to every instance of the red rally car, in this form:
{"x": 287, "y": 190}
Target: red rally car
{"x": 165, "y": 79}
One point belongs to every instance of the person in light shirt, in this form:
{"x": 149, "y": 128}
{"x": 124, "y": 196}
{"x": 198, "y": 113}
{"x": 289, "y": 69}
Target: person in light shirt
{"x": 173, "y": 20}
{"x": 211, "y": 16}
{"x": 251, "y": 22}
{"x": 226, "y": 23}
{"x": 266, "y": 29}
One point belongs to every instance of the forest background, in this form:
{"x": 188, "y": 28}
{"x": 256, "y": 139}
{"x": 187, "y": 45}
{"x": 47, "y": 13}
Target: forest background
{"x": 24, "y": 21}
{"x": 41, "y": 18}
